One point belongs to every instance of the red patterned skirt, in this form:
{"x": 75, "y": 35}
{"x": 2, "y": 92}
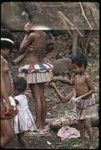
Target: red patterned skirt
{"x": 38, "y": 73}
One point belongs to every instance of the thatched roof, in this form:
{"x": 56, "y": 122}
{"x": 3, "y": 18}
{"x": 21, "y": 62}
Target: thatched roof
{"x": 15, "y": 14}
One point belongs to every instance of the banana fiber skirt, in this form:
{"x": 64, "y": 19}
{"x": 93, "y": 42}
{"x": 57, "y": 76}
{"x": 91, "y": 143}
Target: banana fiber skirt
{"x": 87, "y": 108}
{"x": 37, "y": 77}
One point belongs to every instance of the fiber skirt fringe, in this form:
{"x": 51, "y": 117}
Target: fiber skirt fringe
{"x": 87, "y": 108}
{"x": 37, "y": 77}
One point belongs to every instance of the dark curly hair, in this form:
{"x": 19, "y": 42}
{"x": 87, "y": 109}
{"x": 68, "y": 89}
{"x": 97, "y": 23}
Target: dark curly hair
{"x": 80, "y": 60}
{"x": 20, "y": 84}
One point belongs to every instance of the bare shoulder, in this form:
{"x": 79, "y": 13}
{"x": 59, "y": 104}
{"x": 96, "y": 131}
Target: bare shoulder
{"x": 4, "y": 65}
{"x": 87, "y": 75}
{"x": 1, "y": 58}
{"x": 32, "y": 34}
{"x": 76, "y": 76}
{"x": 3, "y": 61}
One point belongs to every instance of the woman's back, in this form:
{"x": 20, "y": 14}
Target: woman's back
{"x": 36, "y": 50}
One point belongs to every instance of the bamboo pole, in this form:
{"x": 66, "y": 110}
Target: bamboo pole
{"x": 83, "y": 14}
{"x": 67, "y": 21}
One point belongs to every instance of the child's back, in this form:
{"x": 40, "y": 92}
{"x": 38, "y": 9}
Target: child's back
{"x": 24, "y": 117}
{"x": 22, "y": 102}
{"x": 24, "y": 121}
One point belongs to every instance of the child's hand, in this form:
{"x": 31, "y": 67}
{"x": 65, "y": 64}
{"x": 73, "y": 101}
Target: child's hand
{"x": 73, "y": 98}
{"x": 78, "y": 99}
{"x": 52, "y": 84}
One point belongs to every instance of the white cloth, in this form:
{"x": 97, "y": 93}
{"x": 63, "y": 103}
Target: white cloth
{"x": 67, "y": 132}
{"x": 24, "y": 121}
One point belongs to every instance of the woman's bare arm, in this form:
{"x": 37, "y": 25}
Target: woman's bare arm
{"x": 26, "y": 42}
{"x": 4, "y": 93}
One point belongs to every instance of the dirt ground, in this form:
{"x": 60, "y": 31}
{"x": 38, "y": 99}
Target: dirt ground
{"x": 50, "y": 140}
{"x": 57, "y": 109}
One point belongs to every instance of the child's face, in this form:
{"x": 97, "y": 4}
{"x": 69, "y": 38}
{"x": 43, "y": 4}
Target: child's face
{"x": 27, "y": 27}
{"x": 5, "y": 52}
{"x": 78, "y": 70}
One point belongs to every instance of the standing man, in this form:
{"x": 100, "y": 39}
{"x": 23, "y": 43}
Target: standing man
{"x": 6, "y": 88}
{"x": 37, "y": 72}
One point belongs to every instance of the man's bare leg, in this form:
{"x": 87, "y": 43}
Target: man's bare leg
{"x": 6, "y": 132}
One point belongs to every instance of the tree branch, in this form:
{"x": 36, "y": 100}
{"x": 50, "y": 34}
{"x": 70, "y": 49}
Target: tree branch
{"x": 83, "y": 14}
{"x": 67, "y": 21}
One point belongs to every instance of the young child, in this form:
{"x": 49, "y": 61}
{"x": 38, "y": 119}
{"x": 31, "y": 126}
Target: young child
{"x": 82, "y": 94}
{"x": 24, "y": 120}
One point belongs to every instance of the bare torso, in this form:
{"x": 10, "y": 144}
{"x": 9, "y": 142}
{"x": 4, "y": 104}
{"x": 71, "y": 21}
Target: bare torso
{"x": 6, "y": 77}
{"x": 81, "y": 86}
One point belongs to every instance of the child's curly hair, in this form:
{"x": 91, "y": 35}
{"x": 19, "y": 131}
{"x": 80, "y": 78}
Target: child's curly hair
{"x": 80, "y": 60}
{"x": 20, "y": 84}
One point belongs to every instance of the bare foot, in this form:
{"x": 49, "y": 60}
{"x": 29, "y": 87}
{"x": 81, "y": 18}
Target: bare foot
{"x": 24, "y": 143}
{"x": 44, "y": 130}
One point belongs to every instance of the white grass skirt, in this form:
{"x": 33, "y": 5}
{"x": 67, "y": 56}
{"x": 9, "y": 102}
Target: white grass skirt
{"x": 39, "y": 77}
